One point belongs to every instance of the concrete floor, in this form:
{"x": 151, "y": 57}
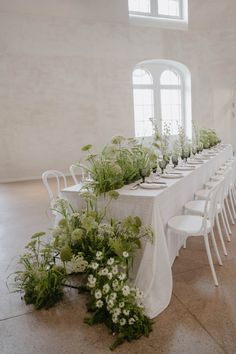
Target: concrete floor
{"x": 201, "y": 319}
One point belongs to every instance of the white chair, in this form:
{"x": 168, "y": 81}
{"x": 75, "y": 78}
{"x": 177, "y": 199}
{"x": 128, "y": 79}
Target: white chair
{"x": 202, "y": 194}
{"x": 197, "y": 207}
{"x": 78, "y": 169}
{"x": 54, "y": 195}
{"x": 196, "y": 225}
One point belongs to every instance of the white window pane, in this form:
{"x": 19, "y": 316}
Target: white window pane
{"x": 169, "y": 77}
{"x": 143, "y": 97}
{"x": 140, "y": 6}
{"x": 171, "y": 109}
{"x": 170, "y": 96}
{"x": 143, "y": 111}
{"x": 169, "y": 8}
{"x": 142, "y": 77}
{"x": 166, "y": 111}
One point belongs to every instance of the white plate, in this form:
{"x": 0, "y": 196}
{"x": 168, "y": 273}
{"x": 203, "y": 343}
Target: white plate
{"x": 195, "y": 162}
{"x": 185, "y": 168}
{"x": 172, "y": 175}
{"x": 153, "y": 186}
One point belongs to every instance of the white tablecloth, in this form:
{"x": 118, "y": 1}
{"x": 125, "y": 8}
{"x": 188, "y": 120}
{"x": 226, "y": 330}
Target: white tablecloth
{"x": 152, "y": 270}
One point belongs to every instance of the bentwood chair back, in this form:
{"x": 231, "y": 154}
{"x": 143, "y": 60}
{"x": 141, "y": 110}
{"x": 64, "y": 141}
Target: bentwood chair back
{"x": 78, "y": 170}
{"x": 60, "y": 184}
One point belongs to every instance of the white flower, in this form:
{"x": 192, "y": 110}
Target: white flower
{"x": 110, "y": 303}
{"x": 122, "y": 276}
{"x": 117, "y": 311}
{"x": 99, "y": 303}
{"x": 94, "y": 265}
{"x": 139, "y": 294}
{"x": 125, "y": 254}
{"x": 122, "y": 321}
{"x": 91, "y": 281}
{"x": 126, "y": 312}
{"x": 114, "y": 318}
{"x": 126, "y": 290}
{"x": 98, "y": 294}
{"x": 114, "y": 269}
{"x": 109, "y": 276}
{"x": 140, "y": 305}
{"x": 78, "y": 264}
{"x": 106, "y": 288}
{"x": 99, "y": 255}
{"x": 110, "y": 261}
{"x": 131, "y": 321}
{"x": 115, "y": 283}
{"x": 105, "y": 271}
{"x": 121, "y": 304}
{"x": 113, "y": 296}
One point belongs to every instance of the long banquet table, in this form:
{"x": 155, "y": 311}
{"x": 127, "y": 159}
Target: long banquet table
{"x": 152, "y": 269}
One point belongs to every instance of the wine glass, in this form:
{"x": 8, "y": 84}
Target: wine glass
{"x": 175, "y": 160}
{"x": 162, "y": 164}
{"x": 143, "y": 173}
{"x": 194, "y": 150}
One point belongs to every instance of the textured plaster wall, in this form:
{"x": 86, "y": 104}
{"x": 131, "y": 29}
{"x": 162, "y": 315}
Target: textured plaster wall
{"x": 65, "y": 75}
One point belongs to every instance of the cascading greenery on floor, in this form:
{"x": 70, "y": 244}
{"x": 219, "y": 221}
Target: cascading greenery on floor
{"x": 103, "y": 251}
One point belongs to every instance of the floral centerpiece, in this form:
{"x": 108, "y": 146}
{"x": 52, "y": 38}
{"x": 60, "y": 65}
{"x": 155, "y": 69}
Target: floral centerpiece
{"x": 121, "y": 162}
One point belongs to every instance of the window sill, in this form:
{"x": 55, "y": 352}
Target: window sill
{"x": 167, "y": 23}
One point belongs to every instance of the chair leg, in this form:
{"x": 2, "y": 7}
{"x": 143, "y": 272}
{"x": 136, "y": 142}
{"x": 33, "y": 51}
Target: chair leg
{"x": 210, "y": 260}
{"x": 232, "y": 204}
{"x": 234, "y": 194}
{"x": 225, "y": 227}
{"x": 215, "y": 247}
{"x": 226, "y": 220}
{"x": 220, "y": 234}
{"x": 229, "y": 211}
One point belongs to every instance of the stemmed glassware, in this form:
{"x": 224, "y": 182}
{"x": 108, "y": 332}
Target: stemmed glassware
{"x": 175, "y": 160}
{"x": 194, "y": 150}
{"x": 162, "y": 164}
{"x": 143, "y": 173}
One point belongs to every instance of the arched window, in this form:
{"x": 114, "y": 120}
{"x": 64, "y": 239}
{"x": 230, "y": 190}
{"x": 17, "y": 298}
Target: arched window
{"x": 162, "y": 91}
{"x": 143, "y": 102}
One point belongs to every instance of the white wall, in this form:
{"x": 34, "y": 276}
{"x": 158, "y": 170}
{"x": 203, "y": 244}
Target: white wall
{"x": 65, "y": 75}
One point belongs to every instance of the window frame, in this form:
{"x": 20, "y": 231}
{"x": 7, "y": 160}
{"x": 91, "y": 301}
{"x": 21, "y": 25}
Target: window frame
{"x": 157, "y": 86}
{"x": 154, "y": 19}
{"x": 154, "y": 11}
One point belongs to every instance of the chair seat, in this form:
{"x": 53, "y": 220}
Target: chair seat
{"x": 190, "y": 225}
{"x": 202, "y": 194}
{"x": 196, "y": 207}
{"x": 210, "y": 185}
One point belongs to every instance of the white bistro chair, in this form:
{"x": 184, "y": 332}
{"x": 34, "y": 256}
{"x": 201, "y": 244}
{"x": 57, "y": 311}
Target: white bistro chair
{"x": 78, "y": 170}
{"x": 196, "y": 225}
{"x": 54, "y": 194}
{"x": 197, "y": 207}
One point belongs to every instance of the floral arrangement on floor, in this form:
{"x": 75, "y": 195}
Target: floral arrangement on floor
{"x": 102, "y": 253}
{"x": 121, "y": 162}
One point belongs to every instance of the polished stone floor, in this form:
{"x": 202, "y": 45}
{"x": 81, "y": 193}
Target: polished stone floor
{"x": 201, "y": 319}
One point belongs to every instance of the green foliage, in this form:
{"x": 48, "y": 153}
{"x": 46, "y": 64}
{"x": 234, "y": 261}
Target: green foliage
{"x": 120, "y": 162}
{"x": 41, "y": 280}
{"x": 114, "y": 302}
{"x": 83, "y": 243}
{"x": 208, "y": 138}
{"x": 161, "y": 138}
